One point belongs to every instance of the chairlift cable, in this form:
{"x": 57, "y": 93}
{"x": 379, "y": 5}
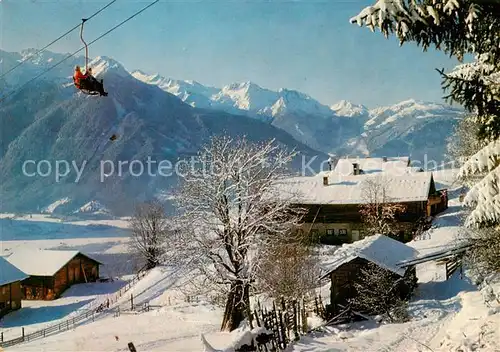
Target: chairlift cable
{"x": 55, "y": 40}
{"x": 77, "y": 51}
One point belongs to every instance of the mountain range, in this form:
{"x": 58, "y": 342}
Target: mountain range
{"x": 410, "y": 127}
{"x": 161, "y": 118}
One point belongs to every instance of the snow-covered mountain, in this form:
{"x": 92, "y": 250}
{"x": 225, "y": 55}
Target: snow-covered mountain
{"x": 348, "y": 109}
{"x": 409, "y": 127}
{"x": 246, "y": 98}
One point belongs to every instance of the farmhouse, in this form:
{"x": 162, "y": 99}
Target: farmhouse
{"x": 344, "y": 267}
{"x": 10, "y": 287}
{"x": 333, "y": 198}
{"x": 53, "y": 271}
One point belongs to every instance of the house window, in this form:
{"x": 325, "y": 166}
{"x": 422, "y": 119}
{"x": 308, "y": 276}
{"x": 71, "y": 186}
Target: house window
{"x": 343, "y": 232}
{"x": 330, "y": 232}
{"x": 4, "y": 290}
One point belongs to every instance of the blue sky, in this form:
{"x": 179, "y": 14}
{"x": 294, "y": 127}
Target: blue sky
{"x": 308, "y": 46}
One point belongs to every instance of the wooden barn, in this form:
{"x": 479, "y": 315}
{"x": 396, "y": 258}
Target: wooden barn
{"x": 10, "y": 287}
{"x": 51, "y": 272}
{"x": 333, "y": 198}
{"x": 344, "y": 266}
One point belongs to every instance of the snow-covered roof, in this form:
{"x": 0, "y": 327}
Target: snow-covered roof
{"x": 393, "y": 165}
{"x": 9, "y": 273}
{"x": 378, "y": 249}
{"x": 411, "y": 187}
{"x": 42, "y": 262}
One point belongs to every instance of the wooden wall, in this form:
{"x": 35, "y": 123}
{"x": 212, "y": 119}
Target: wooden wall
{"x": 36, "y": 287}
{"x": 10, "y": 297}
{"x": 343, "y": 278}
{"x": 80, "y": 269}
{"x": 331, "y": 213}
{"x": 337, "y": 224}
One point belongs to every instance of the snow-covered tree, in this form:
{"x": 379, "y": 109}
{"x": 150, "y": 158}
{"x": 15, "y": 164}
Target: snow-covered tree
{"x": 460, "y": 28}
{"x": 378, "y": 213}
{"x": 378, "y": 291}
{"x": 150, "y": 230}
{"x": 231, "y": 209}
{"x": 464, "y": 141}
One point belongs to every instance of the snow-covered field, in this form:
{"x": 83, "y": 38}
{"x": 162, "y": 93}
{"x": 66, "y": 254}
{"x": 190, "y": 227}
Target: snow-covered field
{"x": 447, "y": 315}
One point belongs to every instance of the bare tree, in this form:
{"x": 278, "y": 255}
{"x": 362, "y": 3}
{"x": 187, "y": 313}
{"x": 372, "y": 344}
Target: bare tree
{"x": 379, "y": 291}
{"x": 464, "y": 141}
{"x": 150, "y": 229}
{"x": 378, "y": 212}
{"x": 231, "y": 208}
{"x": 289, "y": 268}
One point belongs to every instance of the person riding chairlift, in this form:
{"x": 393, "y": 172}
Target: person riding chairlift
{"x": 87, "y": 81}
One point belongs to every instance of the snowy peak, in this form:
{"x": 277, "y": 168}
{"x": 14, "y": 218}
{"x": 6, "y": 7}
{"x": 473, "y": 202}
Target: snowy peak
{"x": 292, "y": 101}
{"x": 51, "y": 208}
{"x": 190, "y": 92}
{"x": 92, "y": 207}
{"x": 103, "y": 65}
{"x": 43, "y": 57}
{"x": 348, "y": 109}
{"x": 245, "y": 96}
{"x": 240, "y": 97}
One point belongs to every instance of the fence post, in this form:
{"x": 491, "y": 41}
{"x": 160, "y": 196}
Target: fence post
{"x": 1, "y": 337}
{"x": 131, "y": 347}
{"x": 23, "y": 333}
{"x": 132, "y": 301}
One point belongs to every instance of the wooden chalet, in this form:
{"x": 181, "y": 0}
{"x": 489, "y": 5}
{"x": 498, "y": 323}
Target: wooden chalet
{"x": 10, "y": 287}
{"x": 51, "y": 272}
{"x": 344, "y": 266}
{"x": 333, "y": 198}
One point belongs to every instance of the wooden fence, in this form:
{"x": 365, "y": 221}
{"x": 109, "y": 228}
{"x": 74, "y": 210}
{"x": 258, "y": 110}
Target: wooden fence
{"x": 77, "y": 319}
{"x": 452, "y": 264}
{"x": 285, "y": 323}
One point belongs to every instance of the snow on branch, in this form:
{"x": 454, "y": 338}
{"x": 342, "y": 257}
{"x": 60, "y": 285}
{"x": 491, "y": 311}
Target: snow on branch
{"x": 451, "y": 25}
{"x": 485, "y": 214}
{"x": 484, "y": 190}
{"x": 485, "y": 160}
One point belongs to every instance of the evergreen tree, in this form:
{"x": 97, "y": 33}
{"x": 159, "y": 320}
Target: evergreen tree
{"x": 460, "y": 28}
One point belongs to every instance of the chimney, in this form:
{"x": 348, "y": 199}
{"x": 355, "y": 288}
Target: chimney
{"x": 355, "y": 168}
{"x": 384, "y": 158}
{"x": 325, "y": 180}
{"x": 332, "y": 162}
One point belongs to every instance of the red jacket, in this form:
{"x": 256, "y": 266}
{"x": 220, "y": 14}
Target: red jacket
{"x": 77, "y": 77}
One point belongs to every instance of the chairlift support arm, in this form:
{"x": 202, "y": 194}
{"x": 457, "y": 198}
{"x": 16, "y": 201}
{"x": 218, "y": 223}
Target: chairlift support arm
{"x": 84, "y": 43}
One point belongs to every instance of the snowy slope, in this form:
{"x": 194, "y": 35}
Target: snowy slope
{"x": 446, "y": 315}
